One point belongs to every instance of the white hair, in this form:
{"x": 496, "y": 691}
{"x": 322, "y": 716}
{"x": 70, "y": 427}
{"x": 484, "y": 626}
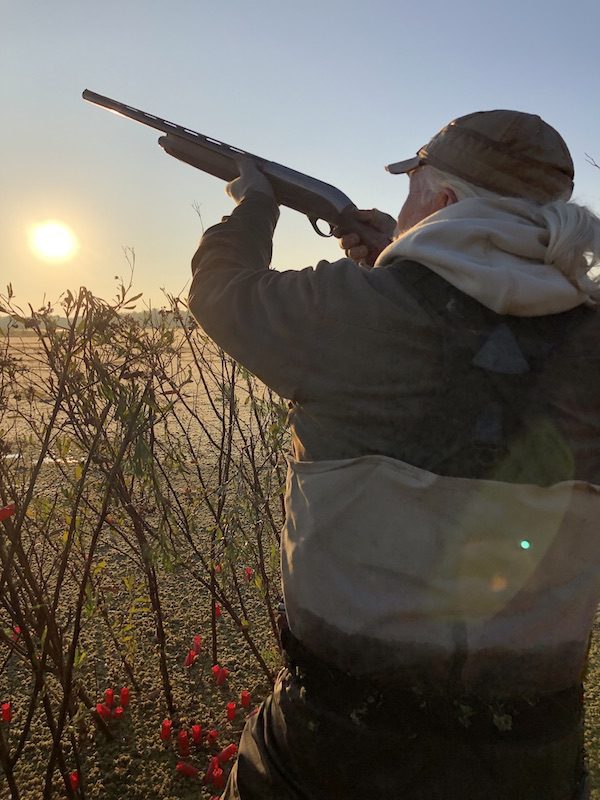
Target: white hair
{"x": 573, "y": 230}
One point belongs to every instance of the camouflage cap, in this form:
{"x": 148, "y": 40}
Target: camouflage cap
{"x": 507, "y": 152}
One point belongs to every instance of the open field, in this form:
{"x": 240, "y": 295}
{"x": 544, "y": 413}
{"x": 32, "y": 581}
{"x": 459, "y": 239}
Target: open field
{"x": 147, "y": 471}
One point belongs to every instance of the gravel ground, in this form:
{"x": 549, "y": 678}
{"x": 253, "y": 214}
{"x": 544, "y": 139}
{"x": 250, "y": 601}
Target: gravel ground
{"x": 592, "y": 698}
{"x": 137, "y": 765}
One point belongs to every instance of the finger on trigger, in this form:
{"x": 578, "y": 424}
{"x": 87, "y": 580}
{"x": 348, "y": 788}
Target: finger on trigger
{"x": 350, "y": 240}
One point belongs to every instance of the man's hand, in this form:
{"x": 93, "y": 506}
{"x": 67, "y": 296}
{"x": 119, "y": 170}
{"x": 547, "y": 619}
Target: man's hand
{"x": 382, "y": 224}
{"x": 250, "y": 179}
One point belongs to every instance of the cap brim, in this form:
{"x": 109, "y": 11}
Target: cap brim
{"x": 401, "y": 167}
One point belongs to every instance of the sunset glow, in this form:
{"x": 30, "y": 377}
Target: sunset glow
{"x": 53, "y": 241}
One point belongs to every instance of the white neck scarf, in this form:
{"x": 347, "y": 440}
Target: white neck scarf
{"x": 492, "y": 250}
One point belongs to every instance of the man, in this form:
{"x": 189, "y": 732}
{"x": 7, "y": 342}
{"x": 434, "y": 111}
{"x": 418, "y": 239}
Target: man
{"x": 440, "y": 552}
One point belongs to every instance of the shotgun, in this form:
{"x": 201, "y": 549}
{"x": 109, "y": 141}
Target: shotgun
{"x": 310, "y": 196}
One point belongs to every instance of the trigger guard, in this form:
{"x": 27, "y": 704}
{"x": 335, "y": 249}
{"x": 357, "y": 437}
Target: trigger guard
{"x": 313, "y": 221}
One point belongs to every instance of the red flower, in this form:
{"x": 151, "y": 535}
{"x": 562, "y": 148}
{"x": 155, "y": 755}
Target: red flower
{"x": 245, "y": 699}
{"x": 16, "y": 633}
{"x": 231, "y": 711}
{"x": 6, "y": 712}
{"x": 190, "y": 658}
{"x": 74, "y": 781}
{"x": 7, "y": 511}
{"x": 227, "y": 753}
{"x": 217, "y": 610}
{"x": 197, "y": 644}
{"x": 109, "y": 697}
{"x": 218, "y": 568}
{"x": 186, "y": 769}
{"x": 165, "y": 729}
{"x": 248, "y": 573}
{"x": 197, "y": 733}
{"x": 124, "y": 697}
{"x": 118, "y": 712}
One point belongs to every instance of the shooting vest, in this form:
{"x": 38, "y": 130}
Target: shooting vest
{"x": 471, "y": 562}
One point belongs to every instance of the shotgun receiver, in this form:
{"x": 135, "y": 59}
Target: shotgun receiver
{"x": 316, "y": 199}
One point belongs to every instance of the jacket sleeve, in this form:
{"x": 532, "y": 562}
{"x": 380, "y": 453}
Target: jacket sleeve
{"x": 269, "y": 321}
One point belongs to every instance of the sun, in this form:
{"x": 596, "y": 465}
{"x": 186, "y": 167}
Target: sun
{"x": 53, "y": 241}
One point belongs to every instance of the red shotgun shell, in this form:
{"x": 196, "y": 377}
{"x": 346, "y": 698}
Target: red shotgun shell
{"x": 222, "y": 676}
{"x": 212, "y": 736}
{"x": 103, "y": 711}
{"x": 165, "y": 729}
{"x": 227, "y": 753}
{"x": 186, "y": 769}
{"x": 212, "y": 765}
{"x": 197, "y": 734}
{"x": 218, "y": 778}
{"x": 7, "y": 511}
{"x": 183, "y": 743}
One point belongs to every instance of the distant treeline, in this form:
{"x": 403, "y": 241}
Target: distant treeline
{"x": 149, "y": 317}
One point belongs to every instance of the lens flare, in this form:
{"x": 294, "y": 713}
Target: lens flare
{"x": 53, "y": 241}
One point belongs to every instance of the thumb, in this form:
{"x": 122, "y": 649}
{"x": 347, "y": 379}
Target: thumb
{"x": 377, "y": 219}
{"x": 244, "y": 164}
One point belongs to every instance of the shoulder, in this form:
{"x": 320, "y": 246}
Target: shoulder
{"x": 381, "y": 297}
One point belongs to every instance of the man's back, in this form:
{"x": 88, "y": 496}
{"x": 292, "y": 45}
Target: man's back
{"x": 397, "y": 364}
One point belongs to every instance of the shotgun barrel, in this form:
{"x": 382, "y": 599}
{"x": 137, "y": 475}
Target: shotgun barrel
{"x": 314, "y": 198}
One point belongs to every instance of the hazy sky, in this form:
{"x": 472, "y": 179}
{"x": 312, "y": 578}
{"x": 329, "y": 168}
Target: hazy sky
{"x": 335, "y": 89}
